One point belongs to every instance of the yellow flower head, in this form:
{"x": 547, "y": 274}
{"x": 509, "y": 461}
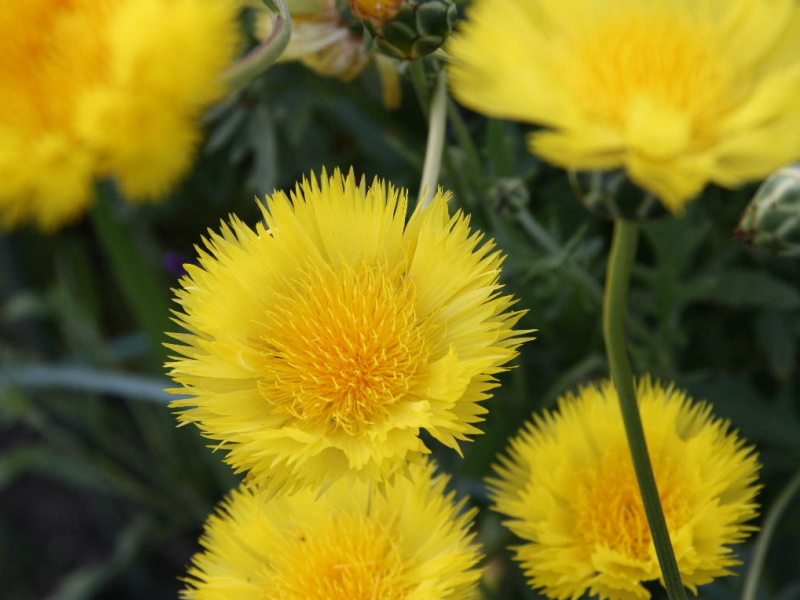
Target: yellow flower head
{"x": 680, "y": 93}
{"x": 411, "y": 543}
{"x": 323, "y": 343}
{"x": 94, "y": 89}
{"x": 569, "y": 488}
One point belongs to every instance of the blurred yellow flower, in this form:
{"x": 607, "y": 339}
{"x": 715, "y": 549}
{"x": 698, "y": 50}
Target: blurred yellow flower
{"x": 326, "y": 43}
{"x": 322, "y": 344}
{"x": 679, "y": 93}
{"x": 569, "y": 488}
{"x": 94, "y": 89}
{"x": 353, "y": 542}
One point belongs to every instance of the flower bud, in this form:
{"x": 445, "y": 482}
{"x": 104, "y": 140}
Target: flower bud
{"x": 376, "y": 11}
{"x": 419, "y": 28}
{"x": 772, "y": 219}
{"x": 508, "y": 195}
{"x": 612, "y": 195}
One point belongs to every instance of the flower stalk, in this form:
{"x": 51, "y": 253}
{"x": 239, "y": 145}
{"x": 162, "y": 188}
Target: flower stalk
{"x": 436, "y": 134}
{"x": 266, "y": 53}
{"x": 771, "y": 521}
{"x": 620, "y": 265}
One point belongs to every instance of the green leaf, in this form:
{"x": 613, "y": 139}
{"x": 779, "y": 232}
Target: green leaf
{"x": 778, "y": 341}
{"x": 84, "y": 583}
{"x": 750, "y": 288}
{"x": 265, "y": 150}
{"x": 224, "y": 131}
{"x": 18, "y": 460}
{"x": 675, "y": 241}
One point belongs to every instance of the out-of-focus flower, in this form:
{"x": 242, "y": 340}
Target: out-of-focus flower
{"x": 321, "y": 345}
{"x": 325, "y": 42}
{"x": 353, "y": 542}
{"x": 569, "y": 488}
{"x": 678, "y": 93}
{"x": 94, "y": 89}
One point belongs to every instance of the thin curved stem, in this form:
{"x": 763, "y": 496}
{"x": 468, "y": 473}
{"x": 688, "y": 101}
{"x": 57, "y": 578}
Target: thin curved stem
{"x": 620, "y": 264}
{"x": 762, "y": 543}
{"x": 436, "y": 135}
{"x": 263, "y": 56}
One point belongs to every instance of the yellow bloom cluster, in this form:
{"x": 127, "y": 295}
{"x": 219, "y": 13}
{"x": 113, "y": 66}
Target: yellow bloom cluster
{"x": 94, "y": 89}
{"x": 680, "y": 93}
{"x": 321, "y": 345}
{"x": 318, "y": 347}
{"x": 570, "y": 491}
{"x": 408, "y": 543}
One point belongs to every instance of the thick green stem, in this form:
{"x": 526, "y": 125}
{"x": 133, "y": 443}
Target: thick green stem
{"x": 436, "y": 134}
{"x": 620, "y": 264}
{"x": 762, "y": 544}
{"x": 265, "y": 54}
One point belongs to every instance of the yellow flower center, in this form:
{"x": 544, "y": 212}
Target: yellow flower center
{"x": 609, "y": 507}
{"x": 650, "y": 70}
{"x": 342, "y": 345}
{"x": 350, "y": 559}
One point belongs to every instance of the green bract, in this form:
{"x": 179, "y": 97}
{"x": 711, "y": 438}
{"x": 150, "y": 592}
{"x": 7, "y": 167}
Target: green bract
{"x": 772, "y": 220}
{"x": 419, "y": 29}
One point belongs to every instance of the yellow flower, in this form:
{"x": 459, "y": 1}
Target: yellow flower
{"x": 325, "y": 43}
{"x": 679, "y": 93}
{"x": 569, "y": 487}
{"x": 94, "y": 89}
{"x": 411, "y": 543}
{"x": 322, "y": 344}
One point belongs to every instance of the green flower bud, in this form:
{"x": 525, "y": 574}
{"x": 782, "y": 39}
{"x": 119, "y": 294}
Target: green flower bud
{"x": 418, "y": 29}
{"x": 612, "y": 195}
{"x": 508, "y": 195}
{"x": 772, "y": 219}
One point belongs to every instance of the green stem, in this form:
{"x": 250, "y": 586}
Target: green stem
{"x": 420, "y": 81}
{"x": 141, "y": 287}
{"x": 620, "y": 264}
{"x": 265, "y": 54}
{"x": 499, "y": 148}
{"x": 464, "y": 193}
{"x": 474, "y": 162}
{"x": 436, "y": 135}
{"x": 762, "y": 543}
